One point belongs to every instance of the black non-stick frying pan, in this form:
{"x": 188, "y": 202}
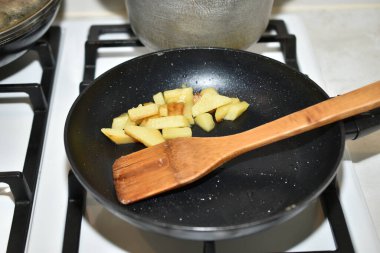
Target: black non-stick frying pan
{"x": 246, "y": 195}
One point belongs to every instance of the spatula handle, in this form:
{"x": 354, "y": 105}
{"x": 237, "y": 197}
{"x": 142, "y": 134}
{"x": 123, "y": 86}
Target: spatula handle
{"x": 326, "y": 112}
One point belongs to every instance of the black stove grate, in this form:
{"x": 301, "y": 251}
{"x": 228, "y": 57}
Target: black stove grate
{"x": 23, "y": 184}
{"x": 76, "y": 200}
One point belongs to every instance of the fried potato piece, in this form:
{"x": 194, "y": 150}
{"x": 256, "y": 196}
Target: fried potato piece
{"x": 179, "y": 95}
{"x": 176, "y": 132}
{"x": 208, "y": 102}
{"x": 159, "y": 98}
{"x": 145, "y": 135}
{"x": 145, "y": 120}
{"x": 167, "y": 122}
{"x": 142, "y": 111}
{"x": 118, "y": 136}
{"x": 209, "y": 90}
{"x": 121, "y": 121}
{"x": 205, "y": 121}
{"x": 222, "y": 111}
{"x": 187, "y": 112}
{"x": 175, "y": 108}
{"x": 163, "y": 110}
{"x": 236, "y": 110}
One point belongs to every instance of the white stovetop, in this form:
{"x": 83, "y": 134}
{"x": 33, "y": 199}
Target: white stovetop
{"x": 345, "y": 35}
{"x": 337, "y": 52}
{"x": 101, "y": 230}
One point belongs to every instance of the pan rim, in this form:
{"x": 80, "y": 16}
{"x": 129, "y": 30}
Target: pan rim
{"x": 200, "y": 232}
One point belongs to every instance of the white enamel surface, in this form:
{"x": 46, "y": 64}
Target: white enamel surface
{"x": 101, "y": 231}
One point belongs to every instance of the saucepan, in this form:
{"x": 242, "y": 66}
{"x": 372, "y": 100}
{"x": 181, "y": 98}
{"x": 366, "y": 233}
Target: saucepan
{"x": 219, "y": 23}
{"x": 252, "y": 192}
{"x": 22, "y": 23}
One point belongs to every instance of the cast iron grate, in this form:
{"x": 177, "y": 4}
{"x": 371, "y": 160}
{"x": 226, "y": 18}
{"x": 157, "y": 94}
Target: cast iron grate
{"x": 23, "y": 184}
{"x": 76, "y": 200}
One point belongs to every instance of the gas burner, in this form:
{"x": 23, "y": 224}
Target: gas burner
{"x": 276, "y": 32}
{"x": 22, "y": 184}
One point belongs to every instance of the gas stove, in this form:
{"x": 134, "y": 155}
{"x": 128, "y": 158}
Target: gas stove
{"x": 38, "y": 191}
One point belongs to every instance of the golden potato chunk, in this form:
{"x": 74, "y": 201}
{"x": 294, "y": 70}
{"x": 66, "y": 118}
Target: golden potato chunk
{"x": 176, "y": 132}
{"x": 175, "y": 108}
{"x": 118, "y": 136}
{"x": 167, "y": 122}
{"x": 163, "y": 110}
{"x": 121, "y": 121}
{"x": 187, "y": 112}
{"x": 205, "y": 121}
{"x": 209, "y": 102}
{"x": 221, "y": 112}
{"x": 145, "y": 120}
{"x": 142, "y": 111}
{"x": 159, "y": 98}
{"x": 147, "y": 136}
{"x": 179, "y": 95}
{"x": 210, "y": 90}
{"x": 236, "y": 110}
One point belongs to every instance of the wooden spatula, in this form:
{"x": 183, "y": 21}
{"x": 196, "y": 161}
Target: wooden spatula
{"x": 181, "y": 161}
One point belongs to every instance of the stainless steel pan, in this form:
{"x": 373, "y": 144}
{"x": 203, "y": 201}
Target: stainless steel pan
{"x": 218, "y": 23}
{"x": 22, "y": 23}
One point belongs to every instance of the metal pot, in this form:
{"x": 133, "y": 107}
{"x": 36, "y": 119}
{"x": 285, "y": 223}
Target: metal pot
{"x": 219, "y": 23}
{"x": 21, "y": 24}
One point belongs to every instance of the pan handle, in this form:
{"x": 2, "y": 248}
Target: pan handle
{"x": 362, "y": 124}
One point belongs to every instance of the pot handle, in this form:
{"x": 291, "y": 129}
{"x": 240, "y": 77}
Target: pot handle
{"x": 362, "y": 124}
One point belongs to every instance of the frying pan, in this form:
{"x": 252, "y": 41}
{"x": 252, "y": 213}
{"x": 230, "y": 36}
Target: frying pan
{"x": 248, "y": 194}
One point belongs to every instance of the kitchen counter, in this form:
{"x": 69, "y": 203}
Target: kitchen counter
{"x": 345, "y": 36}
